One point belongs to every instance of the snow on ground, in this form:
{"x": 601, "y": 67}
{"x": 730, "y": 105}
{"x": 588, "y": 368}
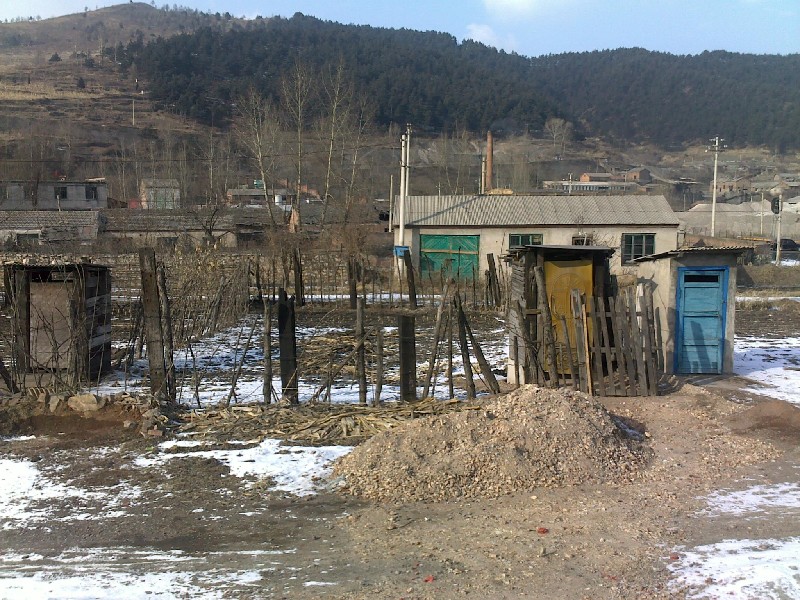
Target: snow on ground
{"x": 751, "y": 569}
{"x": 150, "y": 573}
{"x": 773, "y": 363}
{"x": 111, "y": 573}
{"x": 744, "y": 568}
{"x": 25, "y": 491}
{"x": 294, "y": 469}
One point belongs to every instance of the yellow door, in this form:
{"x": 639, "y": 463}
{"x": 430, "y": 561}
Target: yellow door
{"x": 561, "y": 277}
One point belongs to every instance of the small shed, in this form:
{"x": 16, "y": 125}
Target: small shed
{"x": 694, "y": 294}
{"x": 565, "y": 268}
{"x": 61, "y": 319}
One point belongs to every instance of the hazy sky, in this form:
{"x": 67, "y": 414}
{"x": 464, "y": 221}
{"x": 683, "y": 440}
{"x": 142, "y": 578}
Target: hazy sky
{"x": 530, "y": 27}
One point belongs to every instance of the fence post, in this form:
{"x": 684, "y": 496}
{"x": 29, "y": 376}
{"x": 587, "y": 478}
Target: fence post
{"x": 151, "y": 312}
{"x": 408, "y": 358}
{"x": 361, "y": 371}
{"x": 288, "y": 347}
{"x": 548, "y": 335}
{"x": 412, "y": 288}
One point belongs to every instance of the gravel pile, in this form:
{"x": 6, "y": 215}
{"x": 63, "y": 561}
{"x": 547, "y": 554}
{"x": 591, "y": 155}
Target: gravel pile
{"x": 529, "y": 438}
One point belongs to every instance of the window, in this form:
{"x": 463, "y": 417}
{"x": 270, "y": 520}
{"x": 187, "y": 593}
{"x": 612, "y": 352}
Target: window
{"x": 636, "y": 245}
{"x": 525, "y": 239}
{"x": 91, "y": 192}
{"x": 60, "y": 192}
{"x": 582, "y": 240}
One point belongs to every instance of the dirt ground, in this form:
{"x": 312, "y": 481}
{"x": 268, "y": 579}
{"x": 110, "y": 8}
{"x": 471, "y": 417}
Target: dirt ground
{"x": 586, "y": 541}
{"x": 615, "y": 539}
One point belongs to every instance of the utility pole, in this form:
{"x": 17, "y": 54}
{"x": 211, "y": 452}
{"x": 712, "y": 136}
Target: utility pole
{"x": 778, "y": 234}
{"x": 716, "y": 148}
{"x": 401, "y": 210}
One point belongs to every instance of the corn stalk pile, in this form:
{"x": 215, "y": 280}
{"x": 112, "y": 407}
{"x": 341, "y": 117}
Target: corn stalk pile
{"x": 310, "y": 424}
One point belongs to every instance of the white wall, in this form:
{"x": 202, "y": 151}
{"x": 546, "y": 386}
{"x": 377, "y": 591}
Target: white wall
{"x": 495, "y": 240}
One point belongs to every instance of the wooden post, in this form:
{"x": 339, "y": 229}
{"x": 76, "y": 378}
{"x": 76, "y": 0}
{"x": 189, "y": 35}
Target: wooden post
{"x": 361, "y": 370}
{"x": 462, "y": 341}
{"x": 596, "y": 346}
{"x": 259, "y": 290}
{"x": 151, "y": 313}
{"x": 408, "y": 358}
{"x": 166, "y": 327}
{"x": 287, "y": 341}
{"x": 584, "y": 370}
{"x": 636, "y": 337}
{"x": 22, "y": 324}
{"x": 412, "y": 288}
{"x": 299, "y": 291}
{"x": 649, "y": 341}
{"x": 548, "y": 337}
{"x": 450, "y": 386}
{"x": 486, "y": 370}
{"x": 620, "y": 370}
{"x": 266, "y": 343}
{"x": 351, "y": 281}
{"x": 379, "y": 367}
{"x": 626, "y": 344}
{"x": 573, "y": 368}
{"x": 437, "y": 336}
{"x": 494, "y": 284}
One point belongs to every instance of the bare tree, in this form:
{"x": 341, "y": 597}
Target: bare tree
{"x": 257, "y": 130}
{"x": 560, "y": 130}
{"x": 455, "y": 153}
{"x": 296, "y": 91}
{"x": 337, "y": 95}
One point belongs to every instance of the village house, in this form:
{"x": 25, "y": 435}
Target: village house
{"x": 90, "y": 194}
{"x": 456, "y": 233}
{"x": 259, "y": 197}
{"x": 158, "y": 194}
{"x": 595, "y": 187}
{"x": 32, "y": 228}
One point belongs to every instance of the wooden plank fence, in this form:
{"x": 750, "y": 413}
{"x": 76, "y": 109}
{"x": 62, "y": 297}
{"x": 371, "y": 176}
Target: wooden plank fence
{"x": 607, "y": 347}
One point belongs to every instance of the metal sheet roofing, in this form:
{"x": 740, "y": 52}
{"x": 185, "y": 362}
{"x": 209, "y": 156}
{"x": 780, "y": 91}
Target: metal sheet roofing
{"x": 501, "y": 211}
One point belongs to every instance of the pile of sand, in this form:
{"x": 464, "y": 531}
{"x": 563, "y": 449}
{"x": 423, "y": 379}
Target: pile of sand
{"x": 529, "y": 438}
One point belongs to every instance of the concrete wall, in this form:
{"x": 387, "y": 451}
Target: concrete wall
{"x": 662, "y": 274}
{"x": 14, "y": 196}
{"x": 495, "y": 240}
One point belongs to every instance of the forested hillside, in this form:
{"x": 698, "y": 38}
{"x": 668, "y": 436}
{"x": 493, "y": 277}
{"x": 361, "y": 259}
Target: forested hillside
{"x": 635, "y": 94}
{"x": 432, "y": 81}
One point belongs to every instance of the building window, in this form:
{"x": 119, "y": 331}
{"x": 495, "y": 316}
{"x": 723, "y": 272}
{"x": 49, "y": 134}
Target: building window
{"x": 525, "y": 239}
{"x": 636, "y": 245}
{"x": 91, "y": 192}
{"x": 60, "y": 193}
{"x": 584, "y": 239}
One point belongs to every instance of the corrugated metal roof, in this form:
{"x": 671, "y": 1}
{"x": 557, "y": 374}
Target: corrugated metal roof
{"x": 697, "y": 250}
{"x": 501, "y": 211}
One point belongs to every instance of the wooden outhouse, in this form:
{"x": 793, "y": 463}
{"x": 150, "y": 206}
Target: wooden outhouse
{"x": 694, "y": 293}
{"x": 565, "y": 268}
{"x": 61, "y": 319}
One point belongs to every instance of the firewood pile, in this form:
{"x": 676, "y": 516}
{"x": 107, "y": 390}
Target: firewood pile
{"x": 310, "y": 424}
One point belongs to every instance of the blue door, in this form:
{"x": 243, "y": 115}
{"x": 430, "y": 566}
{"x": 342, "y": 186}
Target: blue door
{"x": 700, "y": 324}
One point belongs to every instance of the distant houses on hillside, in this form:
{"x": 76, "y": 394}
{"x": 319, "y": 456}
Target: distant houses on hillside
{"x": 90, "y": 194}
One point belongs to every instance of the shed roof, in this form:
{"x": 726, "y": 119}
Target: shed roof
{"x": 736, "y": 250}
{"x": 37, "y": 219}
{"x": 503, "y": 211}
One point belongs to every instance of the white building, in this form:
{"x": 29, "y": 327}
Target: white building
{"x": 457, "y": 232}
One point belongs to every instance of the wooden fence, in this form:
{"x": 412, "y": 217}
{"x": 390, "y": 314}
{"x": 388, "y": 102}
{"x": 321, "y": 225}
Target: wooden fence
{"x": 606, "y": 346}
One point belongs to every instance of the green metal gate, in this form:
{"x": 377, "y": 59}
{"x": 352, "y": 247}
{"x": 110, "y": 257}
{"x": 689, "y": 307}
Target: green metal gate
{"x": 455, "y": 255}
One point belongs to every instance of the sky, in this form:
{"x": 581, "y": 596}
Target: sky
{"x": 529, "y": 27}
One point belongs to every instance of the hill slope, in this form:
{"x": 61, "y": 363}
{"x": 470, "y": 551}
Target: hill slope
{"x": 434, "y": 82}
